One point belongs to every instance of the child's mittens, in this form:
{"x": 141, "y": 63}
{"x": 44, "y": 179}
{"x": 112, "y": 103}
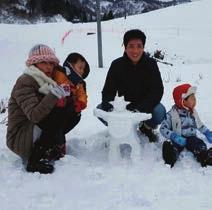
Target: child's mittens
{"x": 178, "y": 139}
{"x": 200, "y": 135}
{"x": 66, "y": 88}
{"x": 58, "y": 91}
{"x": 66, "y": 91}
{"x": 208, "y": 135}
{"x": 79, "y": 106}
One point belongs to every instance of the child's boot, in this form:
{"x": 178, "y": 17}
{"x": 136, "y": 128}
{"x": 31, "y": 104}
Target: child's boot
{"x": 169, "y": 153}
{"x": 202, "y": 157}
{"x": 209, "y": 157}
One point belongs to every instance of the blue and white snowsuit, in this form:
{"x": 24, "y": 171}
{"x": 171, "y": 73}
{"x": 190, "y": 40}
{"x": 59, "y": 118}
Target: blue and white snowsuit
{"x": 186, "y": 124}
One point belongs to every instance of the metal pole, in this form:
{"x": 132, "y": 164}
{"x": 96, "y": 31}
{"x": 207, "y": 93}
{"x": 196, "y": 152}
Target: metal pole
{"x": 99, "y": 34}
{"x": 125, "y": 10}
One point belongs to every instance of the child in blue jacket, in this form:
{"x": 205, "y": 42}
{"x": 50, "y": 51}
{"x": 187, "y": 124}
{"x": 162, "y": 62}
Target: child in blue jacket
{"x": 184, "y": 128}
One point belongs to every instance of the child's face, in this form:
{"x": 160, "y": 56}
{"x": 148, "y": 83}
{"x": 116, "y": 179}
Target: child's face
{"x": 79, "y": 67}
{"x": 190, "y": 102}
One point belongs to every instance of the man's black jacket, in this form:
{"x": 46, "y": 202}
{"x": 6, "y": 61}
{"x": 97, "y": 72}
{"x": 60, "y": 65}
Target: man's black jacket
{"x": 141, "y": 84}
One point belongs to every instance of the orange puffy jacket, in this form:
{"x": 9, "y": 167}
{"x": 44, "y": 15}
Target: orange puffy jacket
{"x": 78, "y": 91}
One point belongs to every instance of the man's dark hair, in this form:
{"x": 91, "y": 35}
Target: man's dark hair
{"x": 134, "y": 34}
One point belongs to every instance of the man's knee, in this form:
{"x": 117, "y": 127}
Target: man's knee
{"x": 159, "y": 113}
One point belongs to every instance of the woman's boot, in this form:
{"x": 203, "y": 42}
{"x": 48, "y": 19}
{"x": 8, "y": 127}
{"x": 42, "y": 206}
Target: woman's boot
{"x": 37, "y": 162}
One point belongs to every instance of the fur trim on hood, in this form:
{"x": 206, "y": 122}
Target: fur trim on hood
{"x": 43, "y": 81}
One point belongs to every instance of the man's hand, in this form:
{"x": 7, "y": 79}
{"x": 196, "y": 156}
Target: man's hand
{"x": 106, "y": 106}
{"x": 131, "y": 107}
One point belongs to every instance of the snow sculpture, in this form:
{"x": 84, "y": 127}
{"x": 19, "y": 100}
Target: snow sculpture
{"x": 122, "y": 128}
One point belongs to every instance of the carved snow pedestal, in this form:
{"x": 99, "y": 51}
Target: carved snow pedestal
{"x": 122, "y": 128}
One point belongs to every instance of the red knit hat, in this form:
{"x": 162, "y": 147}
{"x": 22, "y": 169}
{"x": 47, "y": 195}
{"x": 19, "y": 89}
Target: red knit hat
{"x": 41, "y": 53}
{"x": 181, "y": 92}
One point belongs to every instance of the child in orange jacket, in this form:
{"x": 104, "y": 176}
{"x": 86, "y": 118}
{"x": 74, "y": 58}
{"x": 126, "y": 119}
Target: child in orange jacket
{"x": 75, "y": 69}
{"x": 71, "y": 77}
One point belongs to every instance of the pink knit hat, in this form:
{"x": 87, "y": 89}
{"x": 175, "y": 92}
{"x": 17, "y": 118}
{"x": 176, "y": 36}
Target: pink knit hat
{"x": 41, "y": 53}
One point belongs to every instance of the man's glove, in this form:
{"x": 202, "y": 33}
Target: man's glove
{"x": 208, "y": 135}
{"x": 106, "y": 106}
{"x": 178, "y": 139}
{"x": 79, "y": 106}
{"x": 58, "y": 91}
{"x": 131, "y": 107}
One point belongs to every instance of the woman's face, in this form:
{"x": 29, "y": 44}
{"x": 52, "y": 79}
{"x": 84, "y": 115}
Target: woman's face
{"x": 46, "y": 68}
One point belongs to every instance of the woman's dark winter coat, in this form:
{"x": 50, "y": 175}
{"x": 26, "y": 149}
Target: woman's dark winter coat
{"x": 140, "y": 84}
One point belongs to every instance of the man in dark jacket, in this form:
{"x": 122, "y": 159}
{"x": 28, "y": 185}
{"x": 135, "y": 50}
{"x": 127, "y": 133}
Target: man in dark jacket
{"x": 136, "y": 77}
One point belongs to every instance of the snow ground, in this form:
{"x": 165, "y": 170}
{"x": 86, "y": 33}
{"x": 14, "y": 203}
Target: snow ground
{"x": 84, "y": 179}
